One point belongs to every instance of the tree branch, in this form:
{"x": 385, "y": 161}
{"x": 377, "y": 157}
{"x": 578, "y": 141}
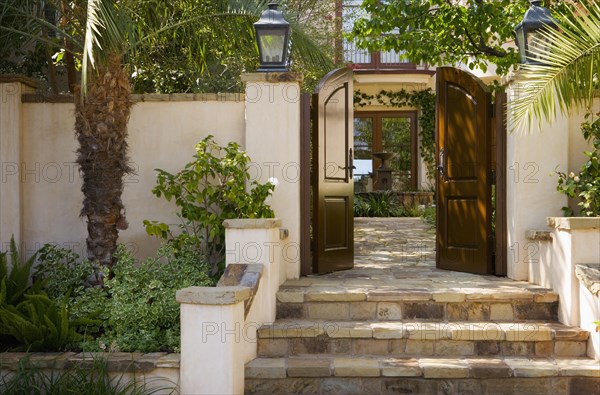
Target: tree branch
{"x": 483, "y": 47}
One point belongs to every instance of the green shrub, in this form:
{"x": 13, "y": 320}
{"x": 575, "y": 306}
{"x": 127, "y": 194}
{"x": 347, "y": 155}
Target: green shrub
{"x": 207, "y": 191}
{"x": 429, "y": 215}
{"x": 28, "y": 317}
{"x": 144, "y": 315}
{"x": 16, "y": 283}
{"x": 41, "y": 324}
{"x": 62, "y": 271}
{"x": 382, "y": 204}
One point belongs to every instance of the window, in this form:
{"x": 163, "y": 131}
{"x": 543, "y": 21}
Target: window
{"x": 362, "y": 58}
{"x": 394, "y": 132}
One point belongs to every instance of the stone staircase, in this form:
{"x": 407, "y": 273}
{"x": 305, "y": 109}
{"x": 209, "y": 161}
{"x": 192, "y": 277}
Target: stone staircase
{"x": 328, "y": 340}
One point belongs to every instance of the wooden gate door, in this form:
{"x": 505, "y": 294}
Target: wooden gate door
{"x": 333, "y": 185}
{"x": 464, "y": 209}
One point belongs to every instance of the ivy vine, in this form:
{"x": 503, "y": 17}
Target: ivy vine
{"x": 424, "y": 101}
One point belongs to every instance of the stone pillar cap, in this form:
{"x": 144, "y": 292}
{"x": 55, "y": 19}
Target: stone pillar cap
{"x": 273, "y": 77}
{"x": 252, "y": 223}
{"x": 213, "y": 295}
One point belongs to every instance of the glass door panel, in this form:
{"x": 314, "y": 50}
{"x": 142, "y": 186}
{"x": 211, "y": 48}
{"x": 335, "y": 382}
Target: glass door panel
{"x": 396, "y": 133}
{"x": 363, "y": 154}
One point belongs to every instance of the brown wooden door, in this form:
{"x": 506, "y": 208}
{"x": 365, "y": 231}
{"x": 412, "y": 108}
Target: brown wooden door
{"x": 464, "y": 210}
{"x": 333, "y": 185}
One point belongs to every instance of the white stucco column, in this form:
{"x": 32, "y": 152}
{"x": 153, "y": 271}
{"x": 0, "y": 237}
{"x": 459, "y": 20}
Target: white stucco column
{"x": 257, "y": 241}
{"x": 11, "y": 88}
{"x": 531, "y": 194}
{"x": 212, "y": 346}
{"x": 273, "y": 144}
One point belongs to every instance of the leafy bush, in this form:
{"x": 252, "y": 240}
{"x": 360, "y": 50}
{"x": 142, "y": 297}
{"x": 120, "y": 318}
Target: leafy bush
{"x": 207, "y": 191}
{"x": 585, "y": 186}
{"x": 28, "y": 316}
{"x": 382, "y": 204}
{"x": 15, "y": 284}
{"x": 62, "y": 271}
{"x": 429, "y": 215}
{"x": 39, "y": 324}
{"x": 143, "y": 313}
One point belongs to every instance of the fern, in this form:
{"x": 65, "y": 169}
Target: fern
{"x": 28, "y": 315}
{"x": 16, "y": 283}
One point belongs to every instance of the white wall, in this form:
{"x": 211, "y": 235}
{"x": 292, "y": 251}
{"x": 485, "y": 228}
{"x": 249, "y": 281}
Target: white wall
{"x": 532, "y": 156}
{"x": 162, "y": 134}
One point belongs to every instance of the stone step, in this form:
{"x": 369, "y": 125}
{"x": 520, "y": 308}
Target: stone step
{"x": 476, "y": 304}
{"x": 385, "y": 375}
{"x": 529, "y": 339}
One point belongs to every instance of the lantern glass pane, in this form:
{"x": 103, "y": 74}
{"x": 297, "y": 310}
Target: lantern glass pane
{"x": 272, "y": 43}
{"x": 537, "y": 43}
{"x": 521, "y": 44}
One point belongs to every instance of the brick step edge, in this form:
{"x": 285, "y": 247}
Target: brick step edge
{"x": 427, "y": 331}
{"x": 533, "y": 294}
{"x": 428, "y": 368}
{"x": 498, "y": 310}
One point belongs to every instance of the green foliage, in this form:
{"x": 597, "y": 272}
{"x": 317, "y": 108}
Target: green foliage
{"x": 143, "y": 313}
{"x": 40, "y": 324}
{"x": 429, "y": 216}
{"x": 15, "y": 284}
{"x": 27, "y": 315}
{"x": 424, "y": 100}
{"x": 168, "y": 46}
{"x": 29, "y": 380}
{"x": 62, "y": 271}
{"x": 585, "y": 185}
{"x": 440, "y": 32}
{"x": 382, "y": 204}
{"x": 209, "y": 190}
{"x": 568, "y": 76}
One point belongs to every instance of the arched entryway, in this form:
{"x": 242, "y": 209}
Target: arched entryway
{"x": 470, "y": 140}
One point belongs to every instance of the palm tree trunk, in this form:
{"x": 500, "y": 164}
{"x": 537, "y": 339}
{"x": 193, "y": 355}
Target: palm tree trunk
{"x": 101, "y": 129}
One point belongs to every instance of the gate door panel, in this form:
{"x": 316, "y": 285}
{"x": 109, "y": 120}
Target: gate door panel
{"x": 464, "y": 210}
{"x": 333, "y": 184}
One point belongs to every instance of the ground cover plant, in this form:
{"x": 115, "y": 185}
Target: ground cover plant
{"x": 95, "y": 379}
{"x": 383, "y": 204}
{"x": 136, "y": 309}
{"x": 30, "y": 320}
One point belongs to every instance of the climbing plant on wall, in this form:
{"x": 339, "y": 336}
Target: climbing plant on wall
{"x": 424, "y": 101}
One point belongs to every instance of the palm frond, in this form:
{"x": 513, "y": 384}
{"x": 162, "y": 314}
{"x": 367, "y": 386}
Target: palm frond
{"x": 569, "y": 75}
{"x": 108, "y": 30}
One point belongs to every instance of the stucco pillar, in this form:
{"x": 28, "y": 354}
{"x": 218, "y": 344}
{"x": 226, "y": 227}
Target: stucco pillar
{"x": 257, "y": 241}
{"x": 531, "y": 194}
{"x": 11, "y": 88}
{"x": 212, "y": 330}
{"x": 273, "y": 144}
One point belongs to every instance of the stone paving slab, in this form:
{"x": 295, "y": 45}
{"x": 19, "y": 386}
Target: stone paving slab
{"x": 397, "y": 255}
{"x": 116, "y": 362}
{"x": 466, "y": 331}
{"x": 428, "y": 367}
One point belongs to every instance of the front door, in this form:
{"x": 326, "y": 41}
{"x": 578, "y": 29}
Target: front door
{"x": 464, "y": 209}
{"x": 333, "y": 184}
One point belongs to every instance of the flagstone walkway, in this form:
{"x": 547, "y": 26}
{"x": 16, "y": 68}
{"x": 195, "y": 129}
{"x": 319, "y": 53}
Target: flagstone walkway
{"x": 398, "y": 254}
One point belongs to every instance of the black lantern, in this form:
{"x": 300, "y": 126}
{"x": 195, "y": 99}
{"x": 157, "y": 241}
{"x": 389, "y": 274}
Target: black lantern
{"x": 529, "y": 31}
{"x": 273, "y": 36}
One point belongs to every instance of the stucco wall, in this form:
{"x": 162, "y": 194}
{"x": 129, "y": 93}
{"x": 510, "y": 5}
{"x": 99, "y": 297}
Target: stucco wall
{"x": 162, "y": 134}
{"x": 532, "y": 156}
